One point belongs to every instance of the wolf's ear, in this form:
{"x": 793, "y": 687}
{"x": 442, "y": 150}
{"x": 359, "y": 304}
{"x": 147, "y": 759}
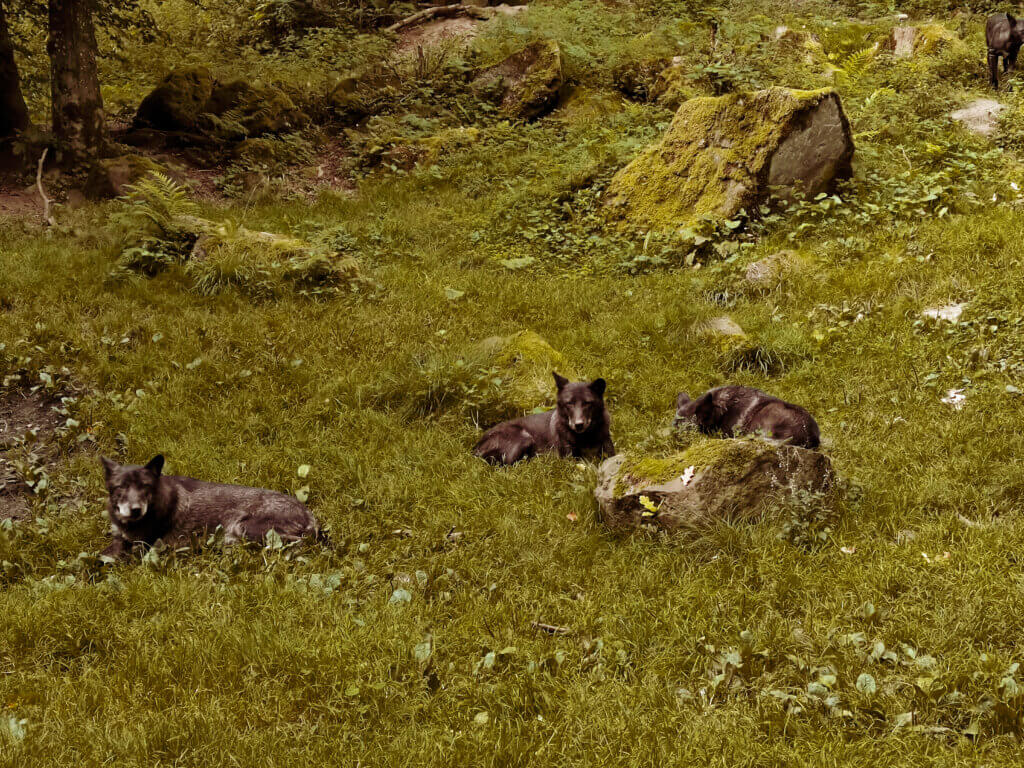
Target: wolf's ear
{"x": 597, "y": 386}
{"x": 704, "y": 409}
{"x": 682, "y": 399}
{"x": 156, "y": 464}
{"x": 560, "y": 381}
{"x": 109, "y": 465}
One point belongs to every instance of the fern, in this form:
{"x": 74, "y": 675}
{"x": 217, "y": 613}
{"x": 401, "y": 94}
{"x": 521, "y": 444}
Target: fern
{"x": 854, "y": 66}
{"x": 157, "y": 202}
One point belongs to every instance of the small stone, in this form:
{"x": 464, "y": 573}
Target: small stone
{"x": 981, "y": 116}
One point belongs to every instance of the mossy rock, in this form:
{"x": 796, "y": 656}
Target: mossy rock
{"x": 177, "y": 102}
{"x": 711, "y": 482}
{"x": 110, "y": 177}
{"x": 260, "y": 109}
{"x": 732, "y": 152}
{"x": 525, "y": 362}
{"x": 636, "y": 79}
{"x": 527, "y": 83}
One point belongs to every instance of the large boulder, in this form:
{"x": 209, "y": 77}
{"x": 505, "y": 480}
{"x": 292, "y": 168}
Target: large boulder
{"x": 187, "y": 98}
{"x": 177, "y": 102}
{"x": 527, "y": 83}
{"x": 732, "y": 152}
{"x": 712, "y": 481}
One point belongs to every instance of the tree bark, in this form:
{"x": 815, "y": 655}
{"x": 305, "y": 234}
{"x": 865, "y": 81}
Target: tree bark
{"x": 74, "y": 80}
{"x": 13, "y": 112}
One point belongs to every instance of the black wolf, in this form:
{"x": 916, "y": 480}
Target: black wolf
{"x": 578, "y": 426}
{"x": 1003, "y": 35}
{"x": 745, "y": 410}
{"x": 146, "y": 506}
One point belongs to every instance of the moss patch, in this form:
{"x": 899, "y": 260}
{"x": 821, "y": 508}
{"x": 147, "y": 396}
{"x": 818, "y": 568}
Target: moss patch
{"x": 730, "y": 459}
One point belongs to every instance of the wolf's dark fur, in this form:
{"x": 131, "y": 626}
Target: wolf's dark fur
{"x": 1003, "y": 35}
{"x": 745, "y": 410}
{"x": 146, "y": 505}
{"x": 578, "y": 426}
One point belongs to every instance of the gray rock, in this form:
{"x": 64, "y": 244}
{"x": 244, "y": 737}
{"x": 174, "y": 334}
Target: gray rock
{"x": 771, "y": 269}
{"x": 980, "y": 116}
{"x": 712, "y": 481}
{"x": 527, "y": 84}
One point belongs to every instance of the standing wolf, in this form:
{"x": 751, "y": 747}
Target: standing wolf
{"x": 578, "y": 426}
{"x": 146, "y": 505}
{"x": 1003, "y": 35}
{"x": 745, "y": 410}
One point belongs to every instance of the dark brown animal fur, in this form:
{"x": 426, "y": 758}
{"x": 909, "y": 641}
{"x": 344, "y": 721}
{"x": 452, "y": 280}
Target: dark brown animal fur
{"x": 578, "y": 426}
{"x": 146, "y": 506}
{"x": 1003, "y": 36}
{"x": 745, "y": 410}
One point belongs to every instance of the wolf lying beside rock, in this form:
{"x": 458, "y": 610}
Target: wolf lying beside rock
{"x": 738, "y": 410}
{"x": 578, "y": 426}
{"x": 146, "y": 506}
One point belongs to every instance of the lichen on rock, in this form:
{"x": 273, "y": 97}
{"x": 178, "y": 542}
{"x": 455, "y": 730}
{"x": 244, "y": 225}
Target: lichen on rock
{"x": 727, "y": 153}
{"x": 709, "y": 482}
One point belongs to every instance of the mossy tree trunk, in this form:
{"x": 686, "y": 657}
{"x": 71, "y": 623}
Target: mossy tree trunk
{"x": 74, "y": 81}
{"x": 13, "y": 112}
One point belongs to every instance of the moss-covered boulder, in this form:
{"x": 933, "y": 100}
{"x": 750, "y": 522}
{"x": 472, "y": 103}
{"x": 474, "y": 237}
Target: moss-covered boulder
{"x": 527, "y": 83}
{"x": 732, "y": 152}
{"x": 177, "y": 102}
{"x": 109, "y": 177}
{"x": 712, "y": 481}
{"x": 261, "y": 109}
{"x": 524, "y": 361}
{"x": 190, "y": 100}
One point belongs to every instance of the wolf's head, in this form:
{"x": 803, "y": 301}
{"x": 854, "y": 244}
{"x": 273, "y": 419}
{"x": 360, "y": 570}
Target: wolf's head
{"x": 580, "y": 405}
{"x": 131, "y": 489}
{"x": 700, "y": 412}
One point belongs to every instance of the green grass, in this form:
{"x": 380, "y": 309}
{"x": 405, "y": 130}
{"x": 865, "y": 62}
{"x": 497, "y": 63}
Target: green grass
{"x": 724, "y": 650}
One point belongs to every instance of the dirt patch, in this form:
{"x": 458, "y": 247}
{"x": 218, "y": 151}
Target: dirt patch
{"x": 28, "y": 427}
{"x": 457, "y": 30}
{"x": 461, "y": 29}
{"x": 20, "y": 203}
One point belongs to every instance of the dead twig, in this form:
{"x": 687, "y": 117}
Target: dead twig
{"x": 441, "y": 12}
{"x": 47, "y": 215}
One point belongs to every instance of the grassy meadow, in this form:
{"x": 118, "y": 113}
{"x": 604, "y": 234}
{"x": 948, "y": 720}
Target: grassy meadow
{"x": 893, "y": 638}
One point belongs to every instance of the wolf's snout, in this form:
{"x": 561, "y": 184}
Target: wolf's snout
{"x": 579, "y": 425}
{"x": 135, "y": 513}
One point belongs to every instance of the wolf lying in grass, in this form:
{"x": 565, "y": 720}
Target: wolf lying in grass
{"x": 744, "y": 410}
{"x": 578, "y": 426}
{"x": 146, "y": 505}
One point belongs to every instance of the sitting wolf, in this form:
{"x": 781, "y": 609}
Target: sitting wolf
{"x": 745, "y": 410}
{"x": 146, "y": 506}
{"x": 578, "y": 426}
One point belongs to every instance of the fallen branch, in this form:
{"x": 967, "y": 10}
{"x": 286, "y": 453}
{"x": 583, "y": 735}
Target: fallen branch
{"x": 441, "y": 12}
{"x": 47, "y": 216}
{"x": 551, "y": 629}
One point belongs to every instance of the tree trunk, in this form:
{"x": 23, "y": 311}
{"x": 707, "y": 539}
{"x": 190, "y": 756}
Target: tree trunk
{"x": 13, "y": 113}
{"x": 74, "y": 81}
